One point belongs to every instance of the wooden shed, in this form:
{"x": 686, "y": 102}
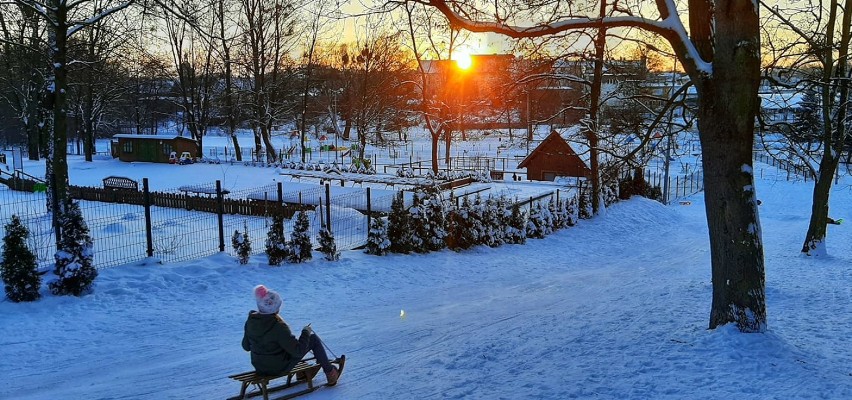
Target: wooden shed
{"x": 554, "y": 157}
{"x": 151, "y": 148}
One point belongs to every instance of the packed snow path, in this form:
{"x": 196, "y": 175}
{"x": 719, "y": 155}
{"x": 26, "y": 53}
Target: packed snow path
{"x": 616, "y": 307}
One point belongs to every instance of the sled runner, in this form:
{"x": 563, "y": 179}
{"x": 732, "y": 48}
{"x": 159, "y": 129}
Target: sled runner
{"x": 303, "y": 372}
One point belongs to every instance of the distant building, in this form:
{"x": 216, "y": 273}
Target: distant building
{"x": 151, "y": 148}
{"x": 553, "y": 158}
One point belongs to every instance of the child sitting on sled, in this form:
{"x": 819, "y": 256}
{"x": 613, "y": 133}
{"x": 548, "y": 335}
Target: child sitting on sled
{"x": 274, "y": 349}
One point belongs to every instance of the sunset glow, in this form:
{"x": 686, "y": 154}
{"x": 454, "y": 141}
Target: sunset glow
{"x": 463, "y": 61}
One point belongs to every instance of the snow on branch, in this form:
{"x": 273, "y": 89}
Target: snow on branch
{"x": 669, "y": 26}
{"x": 77, "y": 26}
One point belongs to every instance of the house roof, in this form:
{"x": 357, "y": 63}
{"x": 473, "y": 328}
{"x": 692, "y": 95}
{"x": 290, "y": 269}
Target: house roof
{"x": 553, "y": 139}
{"x": 149, "y": 137}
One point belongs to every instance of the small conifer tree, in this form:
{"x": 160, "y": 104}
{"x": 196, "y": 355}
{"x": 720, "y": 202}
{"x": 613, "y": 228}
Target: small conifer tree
{"x": 517, "y": 232}
{"x": 377, "y": 238}
{"x": 301, "y": 241}
{"x": 492, "y": 235}
{"x": 399, "y": 226}
{"x": 584, "y": 204}
{"x": 74, "y": 257}
{"x": 453, "y": 226}
{"x": 475, "y": 224}
{"x": 554, "y": 207}
{"x": 18, "y": 268}
{"x": 571, "y": 212}
{"x": 536, "y": 225}
{"x": 242, "y": 244}
{"x": 276, "y": 243}
{"x": 436, "y": 230}
{"x": 468, "y": 235}
{"x": 328, "y": 247}
{"x": 418, "y": 223}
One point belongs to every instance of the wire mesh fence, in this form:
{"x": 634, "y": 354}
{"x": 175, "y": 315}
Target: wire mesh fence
{"x": 190, "y": 222}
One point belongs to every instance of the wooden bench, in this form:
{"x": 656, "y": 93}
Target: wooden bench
{"x": 120, "y": 183}
{"x": 304, "y": 372}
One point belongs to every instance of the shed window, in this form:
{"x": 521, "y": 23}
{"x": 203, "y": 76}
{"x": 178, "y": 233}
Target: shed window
{"x": 167, "y": 149}
{"x": 128, "y": 147}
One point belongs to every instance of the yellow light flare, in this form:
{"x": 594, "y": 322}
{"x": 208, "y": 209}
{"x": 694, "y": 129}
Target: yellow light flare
{"x": 464, "y": 62}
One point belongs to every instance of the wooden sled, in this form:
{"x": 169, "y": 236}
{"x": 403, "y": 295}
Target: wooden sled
{"x": 303, "y": 372}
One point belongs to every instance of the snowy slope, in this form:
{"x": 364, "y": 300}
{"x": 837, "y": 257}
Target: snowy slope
{"x": 616, "y": 307}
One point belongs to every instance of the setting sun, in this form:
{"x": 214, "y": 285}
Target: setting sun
{"x": 463, "y": 61}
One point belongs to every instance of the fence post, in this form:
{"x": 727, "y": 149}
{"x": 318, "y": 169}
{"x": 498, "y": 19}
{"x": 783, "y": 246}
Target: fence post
{"x": 557, "y": 196}
{"x": 146, "y": 199}
{"x": 328, "y": 207}
{"x": 219, "y": 211}
{"x": 369, "y": 209}
{"x": 280, "y": 194}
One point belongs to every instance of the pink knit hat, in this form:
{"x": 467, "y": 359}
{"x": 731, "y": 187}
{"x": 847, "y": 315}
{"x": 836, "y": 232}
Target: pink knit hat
{"x": 268, "y": 301}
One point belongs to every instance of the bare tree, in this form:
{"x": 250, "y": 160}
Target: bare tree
{"x": 722, "y": 56}
{"x": 229, "y": 95}
{"x": 812, "y": 57}
{"x": 267, "y": 32}
{"x": 376, "y": 64}
{"x": 94, "y": 75}
{"x": 25, "y": 70}
{"x": 193, "y": 61}
{"x": 438, "y": 103}
{"x": 64, "y": 19}
{"x": 317, "y": 15}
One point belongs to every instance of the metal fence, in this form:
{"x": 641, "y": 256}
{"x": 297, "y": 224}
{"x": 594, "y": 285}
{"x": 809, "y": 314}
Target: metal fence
{"x": 188, "y": 222}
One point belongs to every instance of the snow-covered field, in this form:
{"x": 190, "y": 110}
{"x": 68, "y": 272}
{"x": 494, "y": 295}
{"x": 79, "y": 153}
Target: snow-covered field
{"x": 616, "y": 307}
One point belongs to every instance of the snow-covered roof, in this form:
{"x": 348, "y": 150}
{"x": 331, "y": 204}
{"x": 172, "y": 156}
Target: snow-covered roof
{"x": 152, "y": 137}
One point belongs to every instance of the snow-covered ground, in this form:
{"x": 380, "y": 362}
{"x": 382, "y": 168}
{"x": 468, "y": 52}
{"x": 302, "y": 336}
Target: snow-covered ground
{"x": 616, "y": 307}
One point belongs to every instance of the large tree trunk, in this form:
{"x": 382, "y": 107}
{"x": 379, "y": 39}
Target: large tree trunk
{"x": 594, "y": 108}
{"x": 58, "y": 144}
{"x": 89, "y": 121}
{"x": 448, "y": 142}
{"x": 728, "y": 104}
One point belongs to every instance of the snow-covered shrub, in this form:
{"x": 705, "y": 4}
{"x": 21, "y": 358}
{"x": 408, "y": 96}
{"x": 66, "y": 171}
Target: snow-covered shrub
{"x": 328, "y": 247}
{"x": 516, "y": 232}
{"x": 654, "y": 193}
{"x": 399, "y": 227}
{"x": 377, "y": 238}
{"x": 475, "y": 225}
{"x": 584, "y": 204}
{"x": 492, "y": 231}
{"x": 18, "y": 268}
{"x": 74, "y": 257}
{"x": 538, "y": 226}
{"x": 241, "y": 243}
{"x": 460, "y": 236}
{"x": 610, "y": 193}
{"x": 301, "y": 242}
{"x": 277, "y": 249}
{"x": 436, "y": 219}
{"x": 553, "y": 207}
{"x": 572, "y": 212}
{"x": 417, "y": 221}
{"x": 405, "y": 172}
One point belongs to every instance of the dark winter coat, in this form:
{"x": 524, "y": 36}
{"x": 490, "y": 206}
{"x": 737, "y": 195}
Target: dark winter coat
{"x": 274, "y": 350}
